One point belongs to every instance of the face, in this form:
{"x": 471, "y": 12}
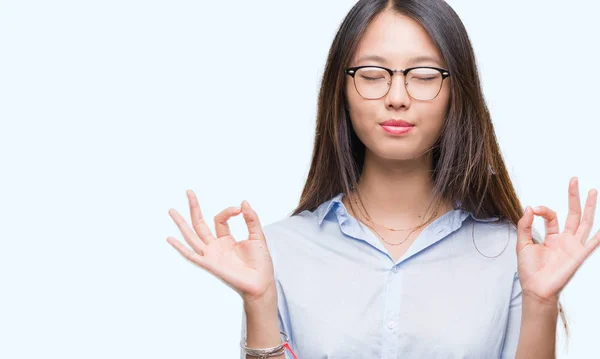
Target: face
{"x": 397, "y": 39}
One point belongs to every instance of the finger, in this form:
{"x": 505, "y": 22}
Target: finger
{"x": 254, "y": 228}
{"x": 188, "y": 234}
{"x": 187, "y": 253}
{"x": 550, "y": 219}
{"x": 591, "y": 245}
{"x": 524, "y": 227}
{"x": 574, "y": 216}
{"x": 221, "y": 226}
{"x": 588, "y": 216}
{"x": 198, "y": 222}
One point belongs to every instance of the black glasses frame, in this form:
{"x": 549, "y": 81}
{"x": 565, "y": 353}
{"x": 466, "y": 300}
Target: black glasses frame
{"x": 352, "y": 71}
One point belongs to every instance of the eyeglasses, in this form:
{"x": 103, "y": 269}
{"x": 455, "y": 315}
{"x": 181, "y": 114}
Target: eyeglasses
{"x": 422, "y": 83}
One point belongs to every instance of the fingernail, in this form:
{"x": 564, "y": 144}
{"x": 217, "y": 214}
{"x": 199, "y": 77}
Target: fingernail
{"x": 537, "y": 209}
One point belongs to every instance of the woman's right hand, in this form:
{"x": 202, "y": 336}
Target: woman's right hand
{"x": 245, "y": 266}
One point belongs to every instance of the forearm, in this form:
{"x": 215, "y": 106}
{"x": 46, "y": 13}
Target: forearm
{"x": 262, "y": 325}
{"x": 537, "y": 338}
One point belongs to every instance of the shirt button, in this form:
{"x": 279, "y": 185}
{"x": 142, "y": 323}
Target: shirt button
{"x": 395, "y": 269}
{"x": 391, "y": 324}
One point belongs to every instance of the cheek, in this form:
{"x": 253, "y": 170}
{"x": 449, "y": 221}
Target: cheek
{"x": 429, "y": 115}
{"x": 352, "y": 97}
{"x": 433, "y": 115}
{"x": 363, "y": 114}
{"x": 432, "y": 121}
{"x": 360, "y": 109}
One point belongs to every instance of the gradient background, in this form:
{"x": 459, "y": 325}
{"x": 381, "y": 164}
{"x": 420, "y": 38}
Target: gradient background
{"x": 110, "y": 110}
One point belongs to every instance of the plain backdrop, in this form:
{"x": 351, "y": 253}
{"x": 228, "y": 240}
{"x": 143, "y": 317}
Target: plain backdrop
{"x": 111, "y": 110}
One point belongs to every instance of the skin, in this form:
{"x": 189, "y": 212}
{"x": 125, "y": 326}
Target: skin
{"x": 395, "y": 183}
{"x": 545, "y": 269}
{"x": 397, "y": 39}
{"x": 395, "y": 188}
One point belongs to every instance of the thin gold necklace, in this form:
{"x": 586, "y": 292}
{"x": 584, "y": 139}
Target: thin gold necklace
{"x": 383, "y": 239}
{"x": 381, "y": 225}
{"x": 366, "y": 214}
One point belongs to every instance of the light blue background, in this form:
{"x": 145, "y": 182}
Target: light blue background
{"x": 110, "y": 110}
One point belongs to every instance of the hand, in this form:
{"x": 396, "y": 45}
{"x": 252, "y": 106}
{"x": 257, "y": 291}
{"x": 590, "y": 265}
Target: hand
{"x": 544, "y": 269}
{"x": 244, "y": 266}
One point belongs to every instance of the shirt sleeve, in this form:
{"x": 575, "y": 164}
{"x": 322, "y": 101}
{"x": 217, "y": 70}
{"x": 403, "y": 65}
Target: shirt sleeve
{"x": 509, "y": 349}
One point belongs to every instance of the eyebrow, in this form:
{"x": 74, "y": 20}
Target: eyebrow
{"x": 412, "y": 60}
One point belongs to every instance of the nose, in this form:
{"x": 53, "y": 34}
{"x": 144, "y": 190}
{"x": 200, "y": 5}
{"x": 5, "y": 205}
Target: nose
{"x": 397, "y": 96}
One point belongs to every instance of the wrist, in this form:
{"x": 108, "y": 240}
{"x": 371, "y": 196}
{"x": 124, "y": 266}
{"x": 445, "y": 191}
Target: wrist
{"x": 537, "y": 305}
{"x": 263, "y": 304}
{"x": 262, "y": 317}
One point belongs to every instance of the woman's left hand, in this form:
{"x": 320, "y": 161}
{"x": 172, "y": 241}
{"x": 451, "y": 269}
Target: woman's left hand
{"x": 544, "y": 269}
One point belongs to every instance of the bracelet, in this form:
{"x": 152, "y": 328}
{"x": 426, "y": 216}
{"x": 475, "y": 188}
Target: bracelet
{"x": 267, "y": 352}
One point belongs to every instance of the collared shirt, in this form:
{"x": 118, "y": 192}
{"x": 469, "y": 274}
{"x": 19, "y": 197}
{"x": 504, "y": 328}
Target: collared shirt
{"x": 341, "y": 295}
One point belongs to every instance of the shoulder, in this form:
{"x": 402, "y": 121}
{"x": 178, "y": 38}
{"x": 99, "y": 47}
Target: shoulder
{"x": 287, "y": 235}
{"x": 290, "y": 225}
{"x": 490, "y": 229}
{"x": 493, "y": 240}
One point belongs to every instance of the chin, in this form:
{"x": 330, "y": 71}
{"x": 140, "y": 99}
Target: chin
{"x": 401, "y": 150}
{"x": 400, "y": 155}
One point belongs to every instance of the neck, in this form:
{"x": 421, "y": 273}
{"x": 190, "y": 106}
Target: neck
{"x": 397, "y": 193}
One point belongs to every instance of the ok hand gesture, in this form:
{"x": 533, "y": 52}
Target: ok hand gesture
{"x": 244, "y": 266}
{"x": 544, "y": 269}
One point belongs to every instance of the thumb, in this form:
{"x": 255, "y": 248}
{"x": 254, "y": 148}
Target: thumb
{"x": 524, "y": 228}
{"x": 255, "y": 231}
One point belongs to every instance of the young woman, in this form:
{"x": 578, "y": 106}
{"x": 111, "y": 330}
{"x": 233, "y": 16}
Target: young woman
{"x": 409, "y": 240}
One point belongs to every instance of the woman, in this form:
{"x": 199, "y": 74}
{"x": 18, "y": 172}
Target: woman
{"x": 398, "y": 245}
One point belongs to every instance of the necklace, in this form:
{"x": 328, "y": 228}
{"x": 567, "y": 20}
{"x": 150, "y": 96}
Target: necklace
{"x": 383, "y": 239}
{"x": 362, "y": 207}
{"x": 381, "y": 225}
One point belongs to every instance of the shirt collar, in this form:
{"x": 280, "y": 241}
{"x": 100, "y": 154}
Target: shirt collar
{"x": 336, "y": 204}
{"x": 325, "y": 207}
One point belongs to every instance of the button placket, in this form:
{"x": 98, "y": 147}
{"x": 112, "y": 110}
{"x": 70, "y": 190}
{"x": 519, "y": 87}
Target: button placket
{"x": 391, "y": 319}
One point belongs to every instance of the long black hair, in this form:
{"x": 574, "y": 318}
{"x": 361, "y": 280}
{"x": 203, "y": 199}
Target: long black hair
{"x": 468, "y": 167}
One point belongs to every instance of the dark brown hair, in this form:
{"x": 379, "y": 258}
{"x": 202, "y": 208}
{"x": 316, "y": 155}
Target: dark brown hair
{"x": 468, "y": 167}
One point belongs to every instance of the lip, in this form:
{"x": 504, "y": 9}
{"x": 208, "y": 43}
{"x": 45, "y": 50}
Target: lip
{"x": 396, "y": 127}
{"x": 397, "y": 130}
{"x": 394, "y": 122}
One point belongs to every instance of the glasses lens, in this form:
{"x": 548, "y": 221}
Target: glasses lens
{"x": 372, "y": 82}
{"x": 424, "y": 84}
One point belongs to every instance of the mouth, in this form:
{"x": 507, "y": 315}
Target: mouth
{"x": 394, "y": 122}
{"x": 397, "y": 130}
{"x": 396, "y": 127}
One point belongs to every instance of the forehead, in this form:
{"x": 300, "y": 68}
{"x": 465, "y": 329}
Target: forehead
{"x": 397, "y": 39}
